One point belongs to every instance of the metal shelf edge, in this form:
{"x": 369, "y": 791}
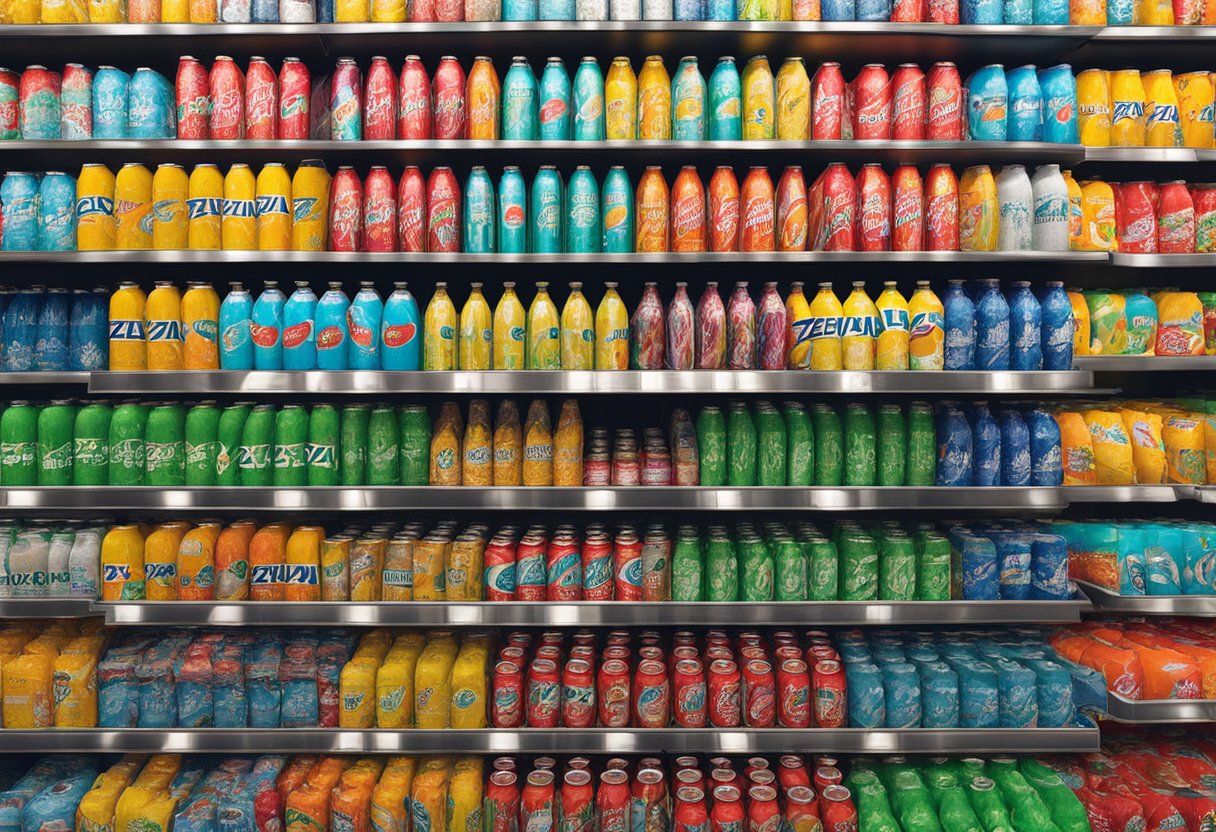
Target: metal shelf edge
{"x": 1160, "y": 711}
{"x": 1105, "y": 601}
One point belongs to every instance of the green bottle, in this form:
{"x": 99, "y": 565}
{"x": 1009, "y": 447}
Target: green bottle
{"x": 800, "y": 446}
{"x": 988, "y": 804}
{"x": 353, "y": 443}
{"x": 128, "y": 456}
{"x": 91, "y": 445}
{"x": 56, "y": 425}
{"x": 687, "y": 567}
{"x": 228, "y": 436}
{"x": 383, "y": 447}
{"x": 921, "y": 469}
{"x": 756, "y": 570}
{"x": 202, "y": 444}
{"x": 256, "y": 452}
{"x": 790, "y": 566}
{"x": 290, "y": 468}
{"x": 415, "y": 445}
{"x": 897, "y": 568}
{"x": 892, "y": 445}
{"x": 19, "y": 444}
{"x": 860, "y": 456}
{"x": 829, "y": 445}
{"x": 721, "y": 568}
{"x": 740, "y": 447}
{"x": 321, "y": 463}
{"x": 165, "y": 446}
{"x": 771, "y": 447}
{"x": 956, "y": 813}
{"x": 711, "y": 445}
{"x": 1066, "y": 810}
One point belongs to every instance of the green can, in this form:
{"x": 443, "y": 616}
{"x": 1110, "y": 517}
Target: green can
{"x": 897, "y": 568}
{"x": 165, "y": 446}
{"x": 687, "y": 567}
{"x": 922, "y": 445}
{"x": 383, "y": 447}
{"x": 128, "y": 454}
{"x": 353, "y": 443}
{"x": 771, "y": 447}
{"x": 933, "y": 568}
{"x": 721, "y": 569}
{"x": 823, "y": 582}
{"x": 860, "y": 452}
{"x": 858, "y": 567}
{"x": 290, "y": 468}
{"x": 415, "y": 445}
{"x": 56, "y": 424}
{"x": 790, "y": 567}
{"x": 829, "y": 445}
{"x": 202, "y": 444}
{"x": 711, "y": 446}
{"x": 231, "y": 429}
{"x": 19, "y": 444}
{"x": 756, "y": 570}
{"x": 91, "y": 445}
{"x": 321, "y": 462}
{"x": 740, "y": 447}
{"x": 800, "y": 445}
{"x": 892, "y": 445}
{"x": 256, "y": 453}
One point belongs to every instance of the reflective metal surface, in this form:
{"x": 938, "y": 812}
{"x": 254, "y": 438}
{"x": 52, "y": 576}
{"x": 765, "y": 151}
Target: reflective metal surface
{"x": 1134, "y": 363}
{"x": 64, "y": 377}
{"x": 1127, "y": 493}
{"x": 47, "y": 608}
{"x": 1163, "y": 261}
{"x": 1105, "y": 601}
{"x": 1140, "y": 154}
{"x": 1160, "y": 710}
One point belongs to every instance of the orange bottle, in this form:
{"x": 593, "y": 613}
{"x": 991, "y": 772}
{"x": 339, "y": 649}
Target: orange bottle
{"x": 201, "y": 326}
{"x": 302, "y": 577}
{"x": 483, "y": 96}
{"x": 232, "y": 561}
{"x": 688, "y": 211}
{"x": 652, "y": 202}
{"x": 196, "y": 563}
{"x": 160, "y": 560}
{"x": 268, "y": 561}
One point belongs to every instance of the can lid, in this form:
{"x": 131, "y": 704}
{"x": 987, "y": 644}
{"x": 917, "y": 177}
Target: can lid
{"x": 614, "y": 776}
{"x": 836, "y": 793}
{"x": 726, "y": 794}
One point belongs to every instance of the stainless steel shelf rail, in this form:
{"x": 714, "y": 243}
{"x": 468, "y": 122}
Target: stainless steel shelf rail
{"x": 1107, "y": 602}
{"x": 1160, "y": 711}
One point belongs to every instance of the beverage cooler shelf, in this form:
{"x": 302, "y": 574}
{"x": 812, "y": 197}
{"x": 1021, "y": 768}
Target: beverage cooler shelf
{"x": 1163, "y": 261}
{"x": 1126, "y": 363}
{"x": 1160, "y": 711}
{"x": 1105, "y": 601}
{"x": 47, "y": 608}
{"x": 560, "y": 741}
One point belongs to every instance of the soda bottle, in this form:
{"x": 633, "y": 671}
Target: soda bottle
{"x": 544, "y": 332}
{"x": 688, "y": 95}
{"x": 793, "y": 101}
{"x": 681, "y": 331}
{"x": 476, "y": 332}
{"x": 759, "y": 100}
{"x": 479, "y": 218}
{"x": 654, "y": 101}
{"x": 825, "y": 329}
{"x": 860, "y": 330}
{"x": 363, "y": 325}
{"x": 611, "y": 331}
{"x": 160, "y": 560}
{"x": 991, "y": 328}
{"x": 741, "y": 329}
{"x": 508, "y": 445}
{"x": 725, "y": 102}
{"x": 1057, "y": 328}
{"x": 477, "y": 468}
{"x": 647, "y": 339}
{"x": 618, "y": 208}
{"x": 122, "y": 564}
{"x": 299, "y": 329}
{"x": 235, "y": 324}
{"x": 711, "y": 329}
{"x": 577, "y": 332}
{"x": 91, "y": 445}
{"x": 771, "y": 329}
{"x": 621, "y": 101}
{"x": 1025, "y": 329}
{"x": 228, "y": 438}
{"x": 266, "y": 329}
{"x": 588, "y": 106}
{"x": 383, "y": 447}
{"x": 555, "y": 111}
{"x": 255, "y": 455}
{"x": 545, "y": 211}
{"x": 959, "y": 311}
{"x": 510, "y": 329}
{"x": 520, "y": 105}
{"x": 128, "y": 347}
{"x": 926, "y": 335}
{"x": 202, "y": 444}
{"x": 321, "y": 454}
{"x": 512, "y": 212}
{"x": 331, "y": 325}
{"x": 165, "y": 445}
{"x": 163, "y": 324}
{"x": 200, "y": 327}
{"x": 798, "y": 329}
{"x": 439, "y": 332}
{"x": 582, "y": 221}
{"x": 196, "y": 562}
{"x": 273, "y": 208}
{"x": 19, "y": 444}
{"x": 128, "y": 455}
{"x": 170, "y": 186}
{"x": 893, "y": 332}
{"x": 238, "y": 224}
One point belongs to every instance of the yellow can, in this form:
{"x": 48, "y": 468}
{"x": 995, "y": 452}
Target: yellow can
{"x": 163, "y": 325}
{"x": 351, "y": 11}
{"x": 133, "y": 208}
{"x": 174, "y": 11}
{"x": 1153, "y": 13}
{"x": 544, "y": 332}
{"x": 439, "y": 330}
{"x": 95, "y": 208}
{"x": 508, "y": 445}
{"x": 1093, "y": 108}
{"x": 577, "y": 331}
{"x": 825, "y": 330}
{"x": 335, "y": 568}
{"x": 465, "y": 794}
{"x": 388, "y": 11}
{"x": 654, "y": 101}
{"x": 860, "y": 329}
{"x": 510, "y": 327}
{"x": 926, "y": 334}
{"x": 205, "y": 207}
{"x": 568, "y": 446}
{"x": 160, "y": 560}
{"x": 538, "y": 446}
{"x": 759, "y": 100}
{"x": 1074, "y": 211}
{"x": 432, "y": 685}
{"x": 476, "y": 345}
{"x": 357, "y": 684}
{"x": 477, "y": 468}
{"x": 1195, "y": 108}
{"x": 1097, "y": 217}
{"x": 106, "y": 11}
{"x": 128, "y": 347}
{"x": 302, "y": 582}
{"x": 431, "y": 568}
{"x": 893, "y": 329}
{"x": 1162, "y": 126}
{"x": 398, "y": 576}
{"x": 273, "y": 208}
{"x": 170, "y": 187}
{"x": 201, "y": 326}
{"x": 64, "y": 11}
{"x": 122, "y": 564}
{"x": 620, "y": 101}
{"x": 611, "y": 331}
{"x": 978, "y": 210}
{"x": 310, "y": 206}
{"x": 793, "y": 101}
{"x": 366, "y": 566}
{"x": 1127, "y": 118}
{"x": 238, "y": 225}
{"x": 466, "y": 558}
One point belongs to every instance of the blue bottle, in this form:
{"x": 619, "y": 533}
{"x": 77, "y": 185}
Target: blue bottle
{"x": 1057, "y": 331}
{"x": 520, "y": 9}
{"x": 300, "y": 329}
{"x": 1018, "y": 12}
{"x": 960, "y": 328}
{"x": 725, "y": 102}
{"x": 589, "y": 116}
{"x": 977, "y": 561}
{"x": 867, "y": 699}
{"x": 720, "y": 10}
{"x": 555, "y": 9}
{"x": 479, "y": 213}
{"x": 901, "y": 683}
{"x": 1119, "y": 12}
{"x": 688, "y": 85}
{"x": 236, "y": 329}
{"x": 616, "y": 205}
{"x": 1025, "y": 328}
{"x": 689, "y": 10}
{"x": 400, "y": 331}
{"x": 874, "y": 11}
{"x": 151, "y": 107}
{"x": 51, "y": 348}
{"x": 1046, "y": 456}
{"x": 21, "y": 329}
{"x": 839, "y": 10}
{"x": 987, "y": 103}
{"x": 1015, "y": 449}
{"x": 555, "y": 110}
{"x": 88, "y": 344}
{"x": 986, "y": 446}
{"x": 1051, "y": 12}
{"x": 56, "y": 212}
{"x": 991, "y": 328}
{"x": 1025, "y": 105}
{"x": 325, "y": 11}
{"x": 111, "y": 92}
{"x": 520, "y": 107}
{"x": 512, "y": 212}
{"x": 985, "y": 12}
{"x": 1049, "y": 568}
{"x": 583, "y": 232}
{"x": 19, "y": 200}
{"x": 332, "y": 329}
{"x": 545, "y": 214}
{"x": 264, "y": 11}
{"x": 363, "y": 324}
{"x": 267, "y": 328}
{"x": 1058, "y": 87}
{"x": 955, "y": 448}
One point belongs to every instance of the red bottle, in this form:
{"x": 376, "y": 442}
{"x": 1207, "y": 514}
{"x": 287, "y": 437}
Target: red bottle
{"x": 941, "y": 209}
{"x": 791, "y": 772}
{"x": 447, "y": 99}
{"x": 908, "y": 210}
{"x": 578, "y": 696}
{"x": 650, "y": 794}
{"x": 295, "y": 89}
{"x": 791, "y": 210}
{"x": 873, "y": 209}
{"x": 442, "y": 211}
{"x": 411, "y": 211}
{"x": 507, "y": 706}
{"x": 690, "y": 813}
{"x": 725, "y": 708}
{"x": 193, "y": 100}
{"x": 908, "y": 11}
{"x": 727, "y": 813}
{"x": 872, "y": 103}
{"x": 1204, "y": 197}
{"x": 380, "y": 102}
{"x": 1175, "y": 220}
{"x": 945, "y": 114}
{"x": 839, "y": 813}
{"x": 612, "y": 801}
{"x": 723, "y": 210}
{"x": 688, "y": 682}
{"x": 543, "y": 689}
{"x": 1136, "y": 217}
{"x": 827, "y": 776}
{"x": 538, "y": 802}
{"x": 908, "y": 103}
{"x": 827, "y": 103}
{"x": 763, "y": 815}
{"x": 833, "y": 212}
{"x": 577, "y": 802}
{"x": 261, "y": 101}
{"x": 414, "y": 100}
{"x": 757, "y": 211}
{"x": 943, "y": 11}
{"x": 345, "y": 210}
{"x": 502, "y": 799}
{"x": 379, "y": 211}
{"x": 612, "y": 693}
{"x": 688, "y": 212}
{"x": 828, "y": 690}
{"x": 227, "y": 85}
{"x": 651, "y": 695}
{"x": 801, "y": 808}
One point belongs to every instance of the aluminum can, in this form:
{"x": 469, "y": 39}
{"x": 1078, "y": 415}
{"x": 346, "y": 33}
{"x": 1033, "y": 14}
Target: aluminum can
{"x": 95, "y": 208}
{"x": 132, "y": 208}
{"x": 238, "y": 223}
{"x": 111, "y": 92}
{"x": 272, "y": 205}
{"x": 39, "y": 103}
{"x": 10, "y": 119}
{"x": 170, "y": 225}
{"x": 310, "y": 206}
{"x": 150, "y": 113}
{"x": 57, "y": 212}
{"x": 873, "y": 209}
{"x": 76, "y": 104}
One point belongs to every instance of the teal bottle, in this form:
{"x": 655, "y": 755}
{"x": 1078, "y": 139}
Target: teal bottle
{"x": 589, "y": 102}
{"x": 688, "y": 102}
{"x": 479, "y": 220}
{"x": 555, "y": 120}
{"x": 520, "y": 120}
{"x": 512, "y": 212}
{"x": 545, "y": 211}
{"x": 725, "y": 102}
{"x": 617, "y": 211}
{"x": 584, "y": 234}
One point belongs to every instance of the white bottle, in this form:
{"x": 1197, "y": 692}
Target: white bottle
{"x": 57, "y": 558}
{"x": 1014, "y": 196}
{"x": 626, "y": 9}
{"x": 27, "y": 562}
{"x": 1050, "y": 209}
{"x": 591, "y": 10}
{"x": 84, "y": 564}
{"x": 658, "y": 10}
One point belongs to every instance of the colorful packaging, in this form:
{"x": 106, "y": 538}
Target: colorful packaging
{"x": 1181, "y": 330}
{"x": 1107, "y": 323}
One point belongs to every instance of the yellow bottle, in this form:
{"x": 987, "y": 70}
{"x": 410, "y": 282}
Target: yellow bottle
{"x": 1093, "y": 108}
{"x": 859, "y": 335}
{"x": 238, "y": 225}
{"x": 1098, "y": 217}
{"x": 978, "y": 210}
{"x": 568, "y": 446}
{"x": 1074, "y": 211}
{"x": 205, "y": 208}
{"x": 538, "y": 446}
{"x": 469, "y": 690}
{"x": 95, "y": 208}
{"x": 476, "y": 332}
{"x": 170, "y": 187}
{"x": 1195, "y": 95}
{"x": 611, "y": 331}
{"x": 309, "y": 206}
{"x": 445, "y": 450}
{"x": 430, "y": 568}
{"x": 510, "y": 329}
{"x": 357, "y": 684}
{"x": 160, "y": 560}
{"x": 395, "y": 686}
{"x": 1081, "y": 327}
{"x": 654, "y": 101}
{"x": 196, "y": 562}
{"x": 273, "y": 208}
{"x": 128, "y": 347}
{"x": 201, "y": 326}
{"x": 439, "y": 331}
{"x": 544, "y": 332}
{"x": 759, "y": 100}
{"x": 893, "y": 329}
{"x": 793, "y": 101}
{"x": 508, "y": 445}
{"x": 478, "y": 465}
{"x": 578, "y": 331}
{"x": 163, "y": 327}
{"x": 133, "y": 208}
{"x": 1127, "y": 116}
{"x": 621, "y": 101}
{"x": 927, "y": 329}
{"x": 825, "y": 330}
{"x": 432, "y": 684}
{"x": 798, "y": 334}
{"x": 1162, "y": 125}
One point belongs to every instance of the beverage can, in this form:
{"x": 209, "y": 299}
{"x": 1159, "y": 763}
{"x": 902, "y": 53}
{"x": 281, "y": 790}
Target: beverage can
{"x": 132, "y": 208}
{"x": 266, "y": 328}
{"x": 163, "y": 325}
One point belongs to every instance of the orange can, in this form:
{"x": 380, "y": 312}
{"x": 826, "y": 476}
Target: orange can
{"x": 232, "y": 561}
{"x": 196, "y": 563}
{"x": 303, "y": 559}
{"x": 651, "y": 212}
{"x": 268, "y": 561}
{"x": 483, "y": 96}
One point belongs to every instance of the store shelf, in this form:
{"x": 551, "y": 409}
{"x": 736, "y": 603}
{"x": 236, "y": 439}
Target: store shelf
{"x": 1160, "y": 711}
{"x": 1132, "y": 363}
{"x": 1105, "y": 601}
{"x": 1140, "y": 155}
{"x": 47, "y": 378}
{"x": 1205, "y": 493}
{"x": 569, "y": 381}
{"x": 1163, "y": 261}
{"x": 46, "y": 608}
{"x": 561, "y": 741}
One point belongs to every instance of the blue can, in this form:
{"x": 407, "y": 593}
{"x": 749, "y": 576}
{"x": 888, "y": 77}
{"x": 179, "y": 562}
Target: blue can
{"x": 838, "y": 10}
{"x": 688, "y": 102}
{"x": 401, "y": 331}
{"x": 589, "y": 116}
{"x": 1046, "y": 456}
{"x": 583, "y": 232}
{"x": 725, "y": 102}
{"x": 152, "y": 107}
{"x": 519, "y": 9}
{"x": 1026, "y": 328}
{"x": 991, "y": 328}
{"x": 325, "y": 11}
{"x": 979, "y": 694}
{"x": 960, "y": 328}
{"x": 1048, "y": 568}
{"x": 1013, "y": 565}
{"x": 479, "y": 214}
{"x": 986, "y": 445}
{"x": 954, "y": 448}
{"x": 56, "y": 212}
{"x": 1131, "y": 541}
{"x": 1051, "y": 12}
{"x": 556, "y": 123}
{"x": 1056, "y": 332}
{"x": 720, "y": 10}
{"x": 520, "y": 107}
{"x": 1119, "y": 12}
{"x": 264, "y": 11}
{"x": 19, "y": 200}
{"x": 236, "y": 329}
{"x": 1016, "y": 464}
{"x": 988, "y": 103}
{"x": 901, "y": 685}
{"x": 51, "y": 348}
{"x": 939, "y": 695}
{"x": 267, "y": 328}
{"x": 617, "y": 206}
{"x": 1019, "y": 694}
{"x": 363, "y": 325}
{"x": 689, "y": 10}
{"x": 332, "y": 328}
{"x": 983, "y": 12}
{"x": 976, "y": 569}
{"x": 867, "y": 698}
{"x": 555, "y": 9}
{"x": 512, "y": 212}
{"x": 545, "y": 216}
{"x": 111, "y": 92}
{"x": 1018, "y": 12}
{"x": 88, "y": 328}
{"x": 300, "y": 329}
{"x": 873, "y": 11}
{"x": 1054, "y": 685}
{"x": 1025, "y": 105}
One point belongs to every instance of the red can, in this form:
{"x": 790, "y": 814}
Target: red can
{"x": 578, "y": 695}
{"x": 758, "y": 211}
{"x": 751, "y": 652}
{"x": 613, "y": 693}
{"x": 380, "y": 101}
{"x": 941, "y": 209}
{"x": 688, "y": 212}
{"x": 727, "y": 812}
{"x": 689, "y": 685}
{"x": 801, "y": 808}
{"x": 651, "y": 695}
{"x": 502, "y": 800}
{"x": 839, "y": 813}
{"x": 873, "y": 209}
{"x": 35, "y": 81}
{"x": 577, "y": 802}
{"x": 828, "y": 686}
{"x": 723, "y": 210}
{"x": 908, "y": 103}
{"x": 833, "y": 211}
{"x": 762, "y": 812}
{"x": 414, "y": 100}
{"x": 499, "y": 557}
{"x": 612, "y": 801}
{"x": 827, "y": 103}
{"x": 791, "y": 772}
{"x": 379, "y": 211}
{"x": 872, "y": 103}
{"x": 411, "y": 210}
{"x": 1136, "y": 217}
{"x": 507, "y": 709}
{"x": 193, "y": 100}
{"x": 791, "y": 210}
{"x": 538, "y": 801}
{"x": 564, "y": 567}
{"x": 724, "y": 689}
{"x": 760, "y": 694}
{"x": 10, "y": 117}
{"x": 76, "y": 120}
{"x": 544, "y": 694}
{"x": 447, "y": 99}
{"x": 908, "y": 210}
{"x": 945, "y": 114}
{"x": 345, "y": 210}
{"x": 794, "y": 692}
{"x": 442, "y": 211}
{"x": 827, "y": 776}
{"x": 908, "y": 11}
{"x": 627, "y": 566}
{"x": 690, "y": 813}
{"x": 1204, "y": 197}
{"x": 690, "y": 777}
{"x": 227, "y": 85}
{"x": 820, "y": 652}
{"x": 598, "y": 583}
{"x": 650, "y": 789}
{"x": 261, "y": 101}
{"x": 513, "y": 654}
{"x": 295, "y": 88}
{"x": 1175, "y": 220}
